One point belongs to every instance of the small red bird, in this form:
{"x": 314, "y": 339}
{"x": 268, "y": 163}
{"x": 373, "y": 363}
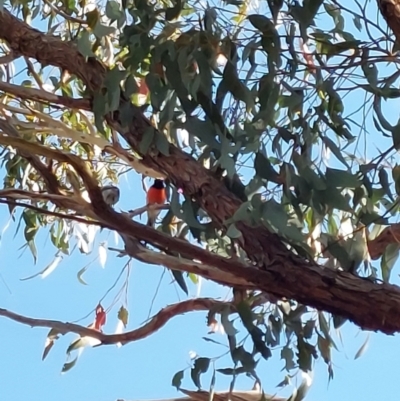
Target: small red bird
{"x": 155, "y": 195}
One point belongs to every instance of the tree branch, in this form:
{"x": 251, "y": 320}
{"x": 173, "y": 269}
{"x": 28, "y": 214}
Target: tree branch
{"x": 50, "y": 179}
{"x": 50, "y": 213}
{"x": 139, "y": 211}
{"x": 226, "y": 395}
{"x": 155, "y": 323}
{"x": 280, "y": 271}
{"x": 42, "y": 96}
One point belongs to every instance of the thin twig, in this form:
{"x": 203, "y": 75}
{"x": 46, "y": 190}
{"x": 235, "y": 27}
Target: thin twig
{"x": 65, "y": 15}
{"x": 139, "y": 211}
{"x": 50, "y": 213}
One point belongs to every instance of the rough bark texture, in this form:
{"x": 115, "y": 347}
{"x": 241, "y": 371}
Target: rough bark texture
{"x": 281, "y": 273}
{"x": 390, "y": 10}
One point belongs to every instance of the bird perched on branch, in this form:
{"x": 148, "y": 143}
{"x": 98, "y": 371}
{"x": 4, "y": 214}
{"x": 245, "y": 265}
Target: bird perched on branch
{"x": 156, "y": 195}
{"x": 110, "y": 194}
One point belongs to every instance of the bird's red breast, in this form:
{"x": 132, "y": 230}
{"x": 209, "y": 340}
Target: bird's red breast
{"x": 156, "y": 193}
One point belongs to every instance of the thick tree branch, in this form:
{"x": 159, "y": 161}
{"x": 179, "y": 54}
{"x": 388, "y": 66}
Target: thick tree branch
{"x": 49, "y": 50}
{"x": 188, "y": 263}
{"x": 390, "y": 10}
{"x": 155, "y": 323}
{"x": 282, "y": 272}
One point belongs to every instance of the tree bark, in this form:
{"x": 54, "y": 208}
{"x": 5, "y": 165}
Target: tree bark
{"x": 280, "y": 271}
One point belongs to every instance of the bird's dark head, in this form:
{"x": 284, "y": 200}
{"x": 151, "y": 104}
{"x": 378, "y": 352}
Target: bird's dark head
{"x": 159, "y": 184}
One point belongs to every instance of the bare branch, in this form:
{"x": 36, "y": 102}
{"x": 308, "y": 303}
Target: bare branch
{"x": 139, "y": 211}
{"x": 50, "y": 213}
{"x": 136, "y": 250}
{"x": 253, "y": 395}
{"x": 155, "y": 323}
{"x": 228, "y": 395}
{"x": 15, "y": 193}
{"x": 43, "y": 96}
{"x": 8, "y": 58}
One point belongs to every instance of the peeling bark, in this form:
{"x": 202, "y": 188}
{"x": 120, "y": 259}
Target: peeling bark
{"x": 281, "y": 272}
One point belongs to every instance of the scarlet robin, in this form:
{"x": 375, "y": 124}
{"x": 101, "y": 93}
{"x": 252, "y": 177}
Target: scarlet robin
{"x": 156, "y": 195}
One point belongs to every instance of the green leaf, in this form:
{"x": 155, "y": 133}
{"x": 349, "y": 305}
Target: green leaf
{"x": 357, "y": 22}
{"x": 335, "y": 150}
{"x": 257, "y": 335}
{"x": 204, "y": 130}
{"x": 324, "y": 347}
{"x": 123, "y": 315}
{"x": 233, "y": 232}
{"x": 275, "y": 214}
{"x": 32, "y": 248}
{"x": 177, "y": 379}
{"x": 101, "y": 30}
{"x": 239, "y": 354}
{"x": 189, "y": 214}
{"x": 287, "y": 355}
{"x": 50, "y": 340}
{"x": 113, "y": 10}
{"x": 262, "y": 23}
{"x": 172, "y": 13}
{"x": 388, "y": 260}
{"x": 80, "y": 274}
{"x": 342, "y": 179}
{"x": 396, "y": 135}
{"x": 373, "y": 217}
{"x": 363, "y": 348}
{"x": 246, "y": 315}
{"x": 370, "y": 70}
{"x": 178, "y": 276}
{"x": 308, "y": 329}
{"x": 231, "y": 372}
{"x": 147, "y": 140}
{"x": 338, "y": 321}
{"x": 112, "y": 82}
{"x": 69, "y": 365}
{"x": 238, "y": 89}
{"x": 264, "y": 168}
{"x": 201, "y": 366}
{"x": 226, "y": 323}
{"x": 84, "y": 45}
{"x": 275, "y": 6}
{"x": 305, "y": 354}
{"x": 78, "y": 343}
{"x": 384, "y": 181}
{"x": 162, "y": 143}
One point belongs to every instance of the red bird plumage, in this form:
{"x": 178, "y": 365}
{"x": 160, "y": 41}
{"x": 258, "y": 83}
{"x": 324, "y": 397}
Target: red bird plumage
{"x": 156, "y": 194}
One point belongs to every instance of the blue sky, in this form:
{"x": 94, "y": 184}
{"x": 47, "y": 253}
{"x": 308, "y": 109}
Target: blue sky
{"x": 144, "y": 369}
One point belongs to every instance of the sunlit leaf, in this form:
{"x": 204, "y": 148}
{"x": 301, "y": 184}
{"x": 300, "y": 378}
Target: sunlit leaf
{"x": 362, "y": 349}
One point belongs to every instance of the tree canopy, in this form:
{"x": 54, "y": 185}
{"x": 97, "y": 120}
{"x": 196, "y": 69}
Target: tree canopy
{"x": 271, "y": 124}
